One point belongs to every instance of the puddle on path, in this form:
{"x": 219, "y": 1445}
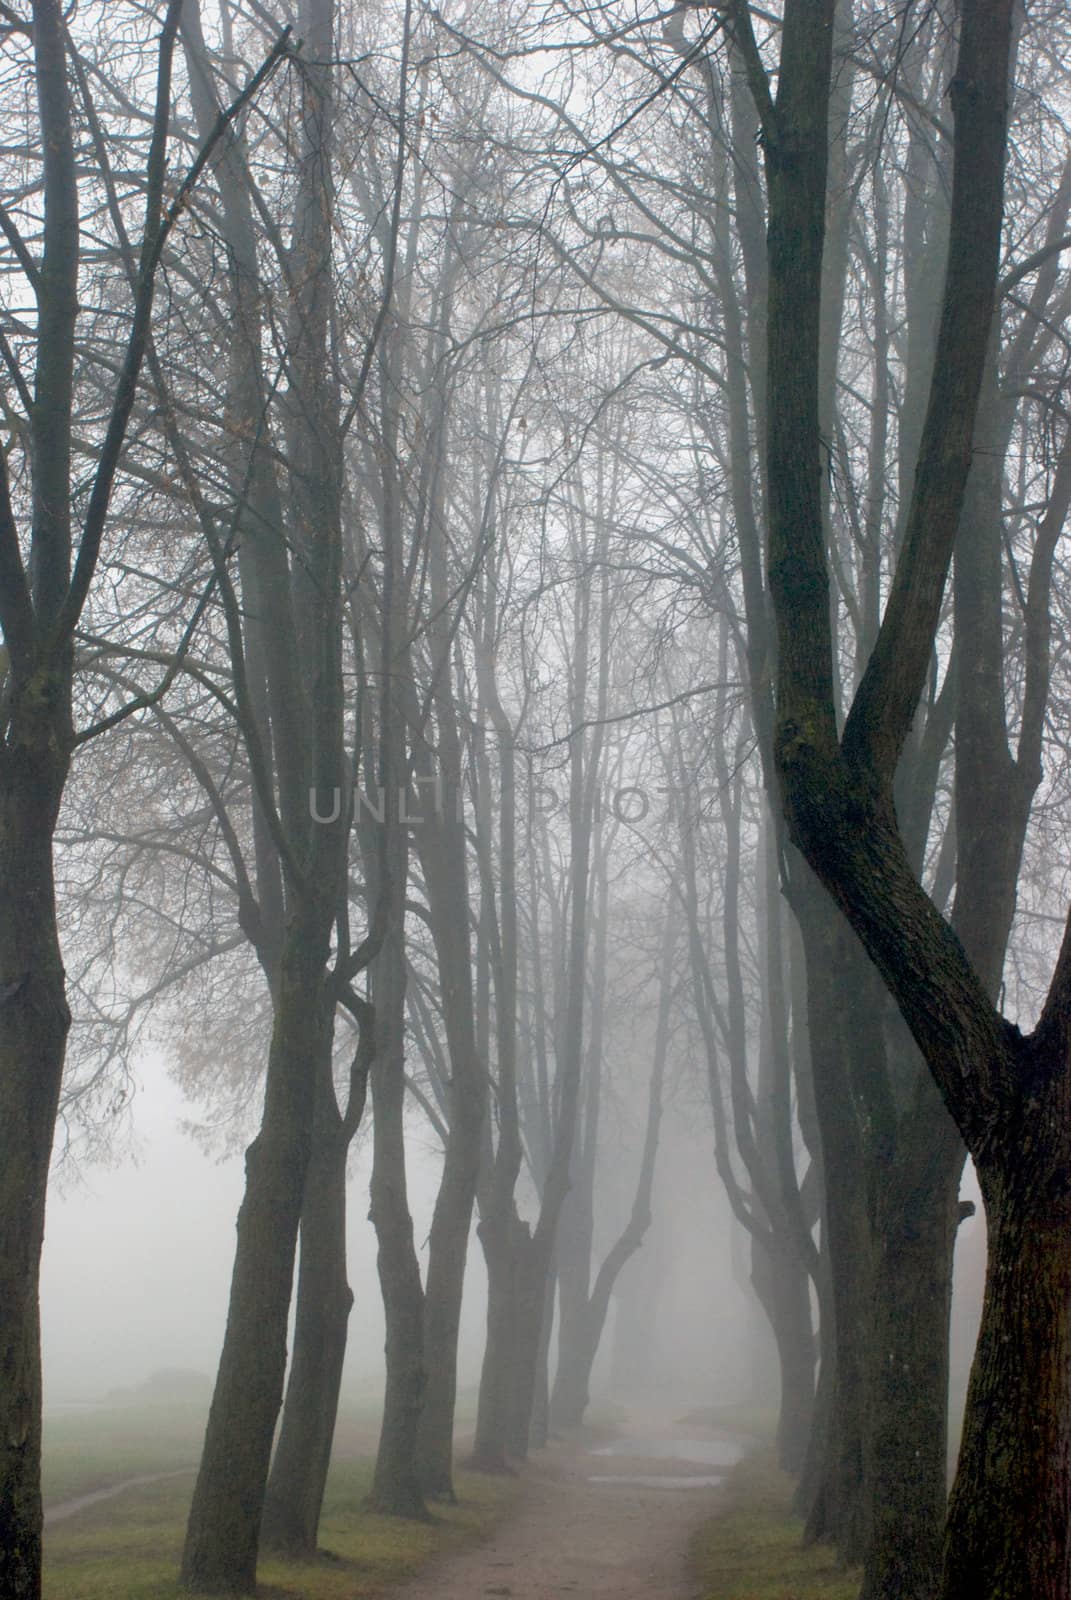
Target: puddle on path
{"x": 664, "y": 1480}
{"x": 722, "y": 1453}
{"x": 719, "y": 1453}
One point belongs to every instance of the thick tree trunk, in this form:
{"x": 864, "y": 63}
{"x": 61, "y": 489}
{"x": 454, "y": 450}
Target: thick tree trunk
{"x": 324, "y": 1298}
{"x": 34, "y": 1019}
{"x": 1007, "y": 1536}
{"x": 220, "y": 1552}
{"x": 918, "y": 1214}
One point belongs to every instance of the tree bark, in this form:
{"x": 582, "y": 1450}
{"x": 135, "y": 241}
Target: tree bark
{"x": 41, "y": 602}
{"x": 298, "y": 1476}
{"x": 305, "y": 698}
{"x": 1007, "y": 1534}
{"x": 783, "y": 1287}
{"x": 539, "y": 1421}
{"x": 222, "y": 1535}
{"x": 442, "y": 852}
{"x": 503, "y": 1248}
{"x": 918, "y": 1215}
{"x": 839, "y": 1509}
{"x": 1008, "y": 1531}
{"x": 34, "y": 1020}
{"x": 573, "y": 1384}
{"x": 396, "y": 1484}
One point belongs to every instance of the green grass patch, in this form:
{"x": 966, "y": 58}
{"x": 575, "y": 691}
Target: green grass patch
{"x": 91, "y": 1449}
{"x": 128, "y": 1548}
{"x": 103, "y": 1445}
{"x": 752, "y": 1548}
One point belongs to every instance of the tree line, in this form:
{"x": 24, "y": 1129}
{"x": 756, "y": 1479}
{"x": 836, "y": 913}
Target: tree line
{"x": 413, "y": 414}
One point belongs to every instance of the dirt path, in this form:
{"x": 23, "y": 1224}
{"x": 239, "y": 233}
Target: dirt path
{"x": 63, "y": 1509}
{"x": 593, "y": 1523}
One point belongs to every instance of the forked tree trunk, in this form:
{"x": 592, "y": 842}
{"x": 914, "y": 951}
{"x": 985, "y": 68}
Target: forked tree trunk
{"x": 1009, "y": 1528}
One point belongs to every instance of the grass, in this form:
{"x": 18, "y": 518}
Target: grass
{"x": 752, "y": 1548}
{"x": 85, "y": 1450}
{"x": 128, "y": 1548}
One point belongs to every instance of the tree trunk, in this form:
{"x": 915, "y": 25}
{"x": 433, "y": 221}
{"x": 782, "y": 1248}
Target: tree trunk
{"x": 1007, "y": 1536}
{"x": 539, "y": 1424}
{"x": 814, "y": 1475}
{"x": 442, "y": 845}
{"x": 576, "y": 1228}
{"x": 569, "y": 1395}
{"x": 324, "y": 1298}
{"x": 220, "y": 1552}
{"x": 396, "y": 1485}
{"x": 918, "y": 1214}
{"x": 576, "y": 1357}
{"x": 34, "y": 1019}
{"x": 783, "y": 1287}
{"x": 838, "y": 1511}
{"x": 502, "y": 1252}
{"x": 531, "y": 1293}
{"x": 448, "y": 1251}
{"x": 637, "y": 1361}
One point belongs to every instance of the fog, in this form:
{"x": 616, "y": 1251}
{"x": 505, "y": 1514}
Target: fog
{"x": 139, "y": 1251}
{"x": 533, "y": 779}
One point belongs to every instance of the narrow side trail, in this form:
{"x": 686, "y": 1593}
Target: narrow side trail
{"x": 62, "y": 1509}
{"x": 597, "y": 1520}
